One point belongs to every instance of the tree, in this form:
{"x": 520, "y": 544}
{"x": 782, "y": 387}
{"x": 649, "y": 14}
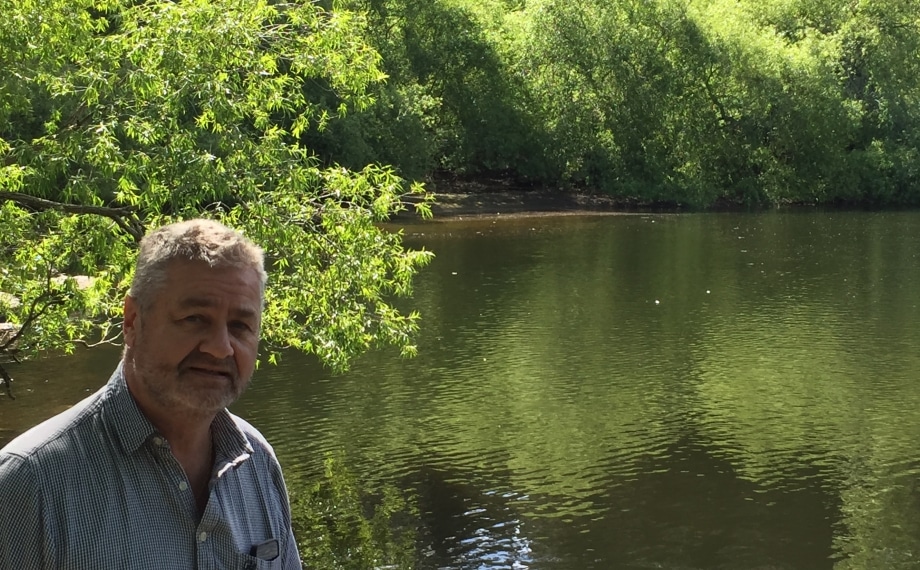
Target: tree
{"x": 451, "y": 104}
{"x": 119, "y": 115}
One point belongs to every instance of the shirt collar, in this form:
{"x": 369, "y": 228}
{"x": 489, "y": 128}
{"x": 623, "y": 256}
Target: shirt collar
{"x": 229, "y": 440}
{"x": 132, "y": 428}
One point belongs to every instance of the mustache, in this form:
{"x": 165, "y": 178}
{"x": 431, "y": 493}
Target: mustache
{"x": 201, "y": 360}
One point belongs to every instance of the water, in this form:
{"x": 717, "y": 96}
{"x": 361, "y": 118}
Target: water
{"x": 647, "y": 391}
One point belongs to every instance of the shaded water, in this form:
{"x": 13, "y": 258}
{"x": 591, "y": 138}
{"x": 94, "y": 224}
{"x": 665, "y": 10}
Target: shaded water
{"x": 661, "y": 391}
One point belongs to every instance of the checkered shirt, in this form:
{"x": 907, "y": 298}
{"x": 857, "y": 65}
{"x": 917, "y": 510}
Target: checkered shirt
{"x": 97, "y": 488}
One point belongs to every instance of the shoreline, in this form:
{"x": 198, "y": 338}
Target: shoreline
{"x": 492, "y": 196}
{"x": 485, "y": 201}
{"x": 453, "y": 204}
{"x": 519, "y": 203}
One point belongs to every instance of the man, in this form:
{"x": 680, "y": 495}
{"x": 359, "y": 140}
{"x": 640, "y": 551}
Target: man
{"x": 152, "y": 472}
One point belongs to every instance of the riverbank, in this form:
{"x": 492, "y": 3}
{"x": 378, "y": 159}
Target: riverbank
{"x": 456, "y": 204}
{"x": 489, "y": 198}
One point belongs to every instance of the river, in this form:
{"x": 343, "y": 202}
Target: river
{"x": 683, "y": 391}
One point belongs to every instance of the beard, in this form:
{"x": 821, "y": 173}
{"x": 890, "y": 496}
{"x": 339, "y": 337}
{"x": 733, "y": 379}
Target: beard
{"x": 189, "y": 387}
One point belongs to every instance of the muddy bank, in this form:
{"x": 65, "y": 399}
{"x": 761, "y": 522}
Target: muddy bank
{"x": 485, "y": 200}
{"x": 493, "y": 196}
{"x": 448, "y": 205}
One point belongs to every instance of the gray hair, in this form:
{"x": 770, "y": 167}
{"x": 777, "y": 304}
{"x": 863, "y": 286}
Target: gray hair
{"x": 192, "y": 240}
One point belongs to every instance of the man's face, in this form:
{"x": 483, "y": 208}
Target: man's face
{"x": 194, "y": 349}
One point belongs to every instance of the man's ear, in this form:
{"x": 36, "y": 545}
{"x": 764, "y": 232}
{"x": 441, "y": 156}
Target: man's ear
{"x": 131, "y": 322}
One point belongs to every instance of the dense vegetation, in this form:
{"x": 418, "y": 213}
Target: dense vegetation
{"x": 117, "y": 116}
{"x": 750, "y": 101}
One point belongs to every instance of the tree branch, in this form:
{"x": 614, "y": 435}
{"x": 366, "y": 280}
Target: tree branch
{"x": 716, "y": 102}
{"x": 48, "y": 299}
{"x": 7, "y": 382}
{"x": 108, "y": 338}
{"x": 123, "y": 216}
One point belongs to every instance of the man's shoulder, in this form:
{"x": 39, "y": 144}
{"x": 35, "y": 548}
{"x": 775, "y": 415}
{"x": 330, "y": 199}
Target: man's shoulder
{"x": 255, "y": 437}
{"x": 44, "y": 437}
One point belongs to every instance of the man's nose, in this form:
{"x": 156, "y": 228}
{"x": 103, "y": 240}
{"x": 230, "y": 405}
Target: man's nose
{"x": 217, "y": 343}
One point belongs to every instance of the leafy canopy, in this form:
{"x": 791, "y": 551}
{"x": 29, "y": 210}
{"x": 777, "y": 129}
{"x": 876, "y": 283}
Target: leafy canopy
{"x": 117, "y": 116}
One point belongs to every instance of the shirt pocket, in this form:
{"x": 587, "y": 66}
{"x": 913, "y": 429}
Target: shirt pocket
{"x": 247, "y": 562}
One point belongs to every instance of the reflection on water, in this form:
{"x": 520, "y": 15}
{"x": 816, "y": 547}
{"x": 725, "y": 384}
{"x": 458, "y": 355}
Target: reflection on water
{"x": 691, "y": 391}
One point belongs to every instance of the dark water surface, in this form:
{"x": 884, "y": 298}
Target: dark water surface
{"x": 651, "y": 391}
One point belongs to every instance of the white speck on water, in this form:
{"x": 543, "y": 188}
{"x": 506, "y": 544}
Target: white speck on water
{"x": 657, "y": 302}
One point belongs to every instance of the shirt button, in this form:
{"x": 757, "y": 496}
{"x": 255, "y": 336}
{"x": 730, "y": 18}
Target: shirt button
{"x": 158, "y": 441}
{"x": 183, "y": 486}
{"x": 202, "y": 537}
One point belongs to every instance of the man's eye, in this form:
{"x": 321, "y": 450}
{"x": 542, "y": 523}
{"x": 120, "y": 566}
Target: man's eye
{"x": 240, "y": 325}
{"x": 193, "y": 319}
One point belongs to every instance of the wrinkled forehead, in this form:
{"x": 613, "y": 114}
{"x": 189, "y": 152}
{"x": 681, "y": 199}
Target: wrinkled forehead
{"x": 195, "y": 284}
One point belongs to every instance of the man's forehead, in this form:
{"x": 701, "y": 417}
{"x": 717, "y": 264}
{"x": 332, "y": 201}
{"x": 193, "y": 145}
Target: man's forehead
{"x": 206, "y": 301}
{"x": 195, "y": 283}
{"x": 187, "y": 273}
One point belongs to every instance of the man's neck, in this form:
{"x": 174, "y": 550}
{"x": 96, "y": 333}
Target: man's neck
{"x": 191, "y": 443}
{"x": 189, "y": 437}
{"x": 186, "y": 435}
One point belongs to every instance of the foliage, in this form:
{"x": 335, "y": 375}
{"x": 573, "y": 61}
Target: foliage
{"x": 334, "y": 531}
{"x": 117, "y": 116}
{"x": 450, "y": 91}
{"x": 663, "y": 100}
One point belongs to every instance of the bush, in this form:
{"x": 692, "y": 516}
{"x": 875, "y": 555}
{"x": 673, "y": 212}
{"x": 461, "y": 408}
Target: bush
{"x": 340, "y": 527}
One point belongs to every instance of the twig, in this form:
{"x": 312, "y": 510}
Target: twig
{"x": 33, "y": 315}
{"x": 123, "y": 216}
{"x": 7, "y": 382}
